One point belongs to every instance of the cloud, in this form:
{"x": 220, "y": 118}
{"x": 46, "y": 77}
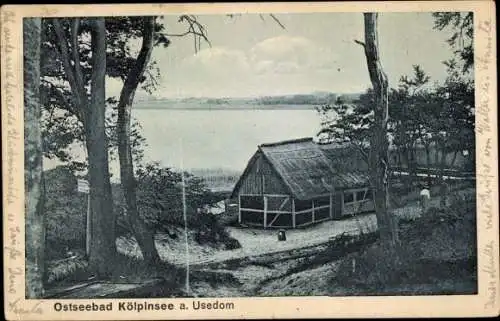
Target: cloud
{"x": 217, "y": 60}
{"x": 286, "y": 54}
{"x": 275, "y": 65}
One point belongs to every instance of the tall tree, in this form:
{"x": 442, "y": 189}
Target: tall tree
{"x": 65, "y": 123}
{"x": 379, "y": 143}
{"x": 90, "y": 104}
{"x": 408, "y": 116}
{"x": 461, "y": 40}
{"x": 349, "y": 122}
{"x": 33, "y": 154}
{"x": 143, "y": 235}
{"x": 457, "y": 104}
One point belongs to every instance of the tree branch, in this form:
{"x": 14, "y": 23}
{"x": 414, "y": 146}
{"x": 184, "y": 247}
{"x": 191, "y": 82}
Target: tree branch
{"x": 196, "y": 29}
{"x": 76, "y": 57}
{"x": 136, "y": 72}
{"x": 361, "y": 43}
{"x": 55, "y": 92}
{"x": 70, "y": 72}
{"x": 363, "y": 153}
{"x": 277, "y": 20}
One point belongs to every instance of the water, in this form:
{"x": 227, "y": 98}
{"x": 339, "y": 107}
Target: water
{"x": 219, "y": 138}
{"x": 222, "y": 139}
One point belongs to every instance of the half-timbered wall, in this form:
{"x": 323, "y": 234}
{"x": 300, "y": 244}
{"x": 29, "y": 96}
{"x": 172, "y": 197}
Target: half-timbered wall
{"x": 262, "y": 179}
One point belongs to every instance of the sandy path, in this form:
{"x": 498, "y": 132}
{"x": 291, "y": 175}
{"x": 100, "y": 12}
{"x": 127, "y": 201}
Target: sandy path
{"x": 260, "y": 241}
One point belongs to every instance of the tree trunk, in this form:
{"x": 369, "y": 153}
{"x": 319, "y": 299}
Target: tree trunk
{"x": 428, "y": 161}
{"x": 413, "y": 164}
{"x": 144, "y": 236}
{"x": 33, "y": 153}
{"x": 92, "y": 115}
{"x": 454, "y": 159}
{"x": 379, "y": 143}
{"x": 443, "y": 186}
{"x": 102, "y": 246}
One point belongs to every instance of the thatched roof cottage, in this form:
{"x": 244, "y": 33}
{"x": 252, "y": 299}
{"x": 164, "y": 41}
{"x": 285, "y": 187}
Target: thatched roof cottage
{"x": 299, "y": 182}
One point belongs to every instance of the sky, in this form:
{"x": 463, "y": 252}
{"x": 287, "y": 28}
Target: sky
{"x": 251, "y": 56}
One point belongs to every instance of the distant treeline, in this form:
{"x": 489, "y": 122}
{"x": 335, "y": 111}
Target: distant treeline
{"x": 320, "y": 98}
{"x": 317, "y": 98}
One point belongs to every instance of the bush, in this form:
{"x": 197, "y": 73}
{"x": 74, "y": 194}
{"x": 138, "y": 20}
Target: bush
{"x": 160, "y": 204}
{"x": 65, "y": 213}
{"x": 159, "y": 195}
{"x": 210, "y": 231}
{"x": 429, "y": 245}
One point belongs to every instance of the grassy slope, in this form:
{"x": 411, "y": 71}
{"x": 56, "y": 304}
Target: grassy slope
{"x": 442, "y": 243}
{"x": 437, "y": 256}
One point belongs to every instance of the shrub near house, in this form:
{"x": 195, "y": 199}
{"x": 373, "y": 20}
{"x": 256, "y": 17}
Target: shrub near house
{"x": 160, "y": 202}
{"x": 160, "y": 205}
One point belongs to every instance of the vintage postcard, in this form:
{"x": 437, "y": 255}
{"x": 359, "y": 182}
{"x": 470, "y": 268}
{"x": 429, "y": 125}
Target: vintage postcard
{"x": 250, "y": 160}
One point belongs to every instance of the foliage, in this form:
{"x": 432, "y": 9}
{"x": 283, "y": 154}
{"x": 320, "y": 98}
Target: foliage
{"x": 421, "y": 114}
{"x": 159, "y": 199}
{"x": 62, "y": 127}
{"x": 66, "y": 269}
{"x": 444, "y": 238}
{"x": 159, "y": 194}
{"x": 64, "y": 211}
{"x": 160, "y": 204}
{"x": 298, "y": 99}
{"x": 462, "y": 34}
{"x": 62, "y": 123}
{"x": 348, "y": 121}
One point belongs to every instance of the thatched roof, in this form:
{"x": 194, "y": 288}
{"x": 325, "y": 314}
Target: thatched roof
{"x": 308, "y": 169}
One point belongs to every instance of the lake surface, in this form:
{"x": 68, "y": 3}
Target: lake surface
{"x": 215, "y": 138}
{"x": 220, "y": 138}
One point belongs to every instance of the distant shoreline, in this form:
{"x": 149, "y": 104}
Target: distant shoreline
{"x": 281, "y": 102}
{"x": 227, "y": 108}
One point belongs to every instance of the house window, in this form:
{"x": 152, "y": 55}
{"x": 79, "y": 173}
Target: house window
{"x": 348, "y": 197}
{"x": 357, "y": 195}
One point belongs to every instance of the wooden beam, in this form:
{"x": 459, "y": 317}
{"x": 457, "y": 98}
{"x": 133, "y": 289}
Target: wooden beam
{"x": 244, "y": 209}
{"x": 268, "y": 195}
{"x": 284, "y": 203}
{"x": 319, "y": 196}
{"x": 309, "y": 223}
{"x": 293, "y": 213}
{"x": 239, "y": 209}
{"x": 341, "y": 203}
{"x": 276, "y": 217}
{"x": 265, "y": 211}
{"x": 312, "y": 209}
{"x": 331, "y": 205}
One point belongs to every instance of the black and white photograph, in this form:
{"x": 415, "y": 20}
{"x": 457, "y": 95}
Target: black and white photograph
{"x": 252, "y": 154}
